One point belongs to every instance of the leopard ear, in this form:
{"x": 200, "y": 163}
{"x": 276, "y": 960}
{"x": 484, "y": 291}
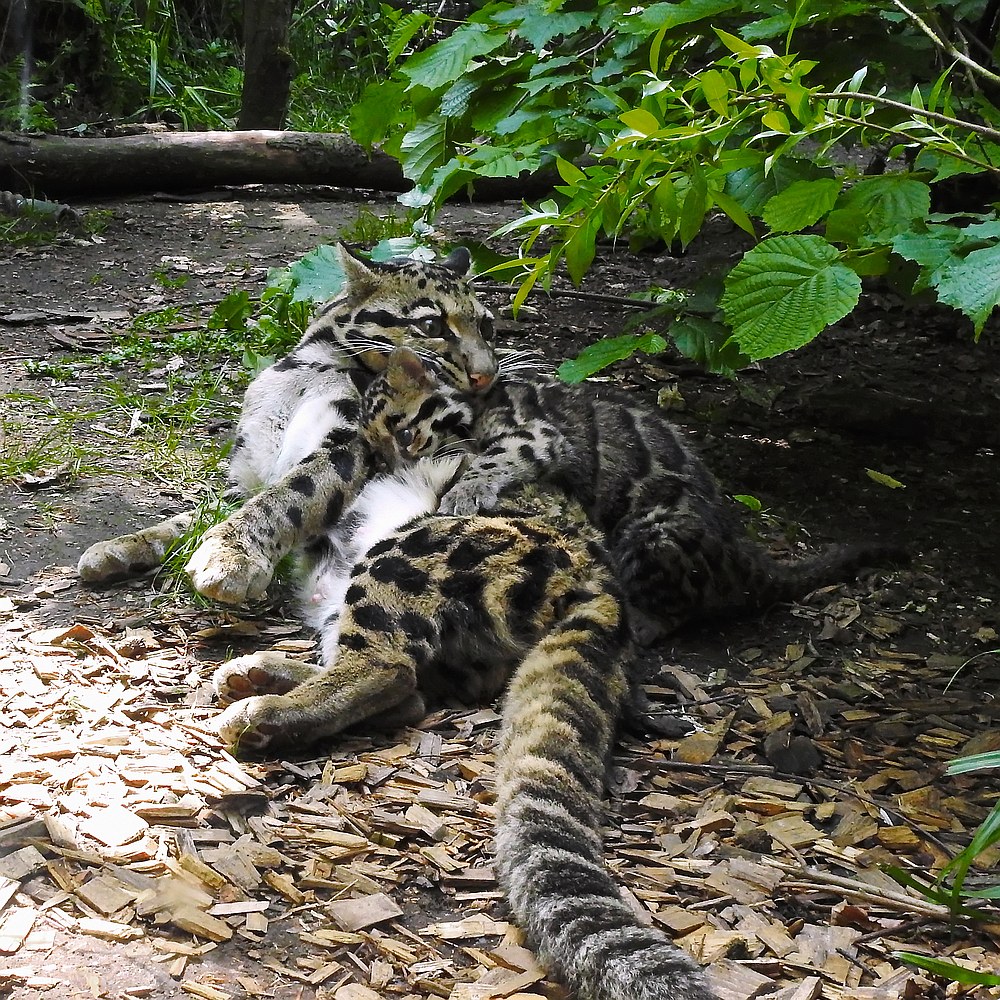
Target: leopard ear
{"x": 405, "y": 367}
{"x": 459, "y": 261}
{"x": 359, "y": 279}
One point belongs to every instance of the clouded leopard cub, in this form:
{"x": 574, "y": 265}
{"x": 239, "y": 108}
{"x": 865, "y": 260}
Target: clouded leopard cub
{"x": 675, "y": 542}
{"x": 457, "y": 608}
{"x": 297, "y": 449}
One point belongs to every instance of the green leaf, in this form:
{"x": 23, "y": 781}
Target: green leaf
{"x": 232, "y": 312}
{"x": 708, "y": 343}
{"x": 884, "y": 480}
{"x": 673, "y": 15}
{"x": 404, "y": 31}
{"x": 580, "y": 248}
{"x": 642, "y": 121}
{"x": 737, "y": 45}
{"x": 974, "y": 762}
{"x": 447, "y": 60}
{"x": 456, "y": 99}
{"x": 606, "y": 352}
{"x": 716, "y": 91}
{"x": 425, "y": 147}
{"x": 784, "y": 292}
{"x": 950, "y": 970}
{"x": 376, "y": 113}
{"x": 749, "y": 501}
{"x": 318, "y": 275}
{"x": 879, "y": 209}
{"x": 972, "y": 286}
{"x": 801, "y": 204}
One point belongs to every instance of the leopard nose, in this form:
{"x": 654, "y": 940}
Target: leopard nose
{"x": 481, "y": 381}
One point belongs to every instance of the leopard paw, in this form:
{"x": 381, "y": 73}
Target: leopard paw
{"x": 131, "y": 555}
{"x": 261, "y": 673}
{"x": 228, "y": 570}
{"x": 252, "y": 725}
{"x": 468, "y": 497}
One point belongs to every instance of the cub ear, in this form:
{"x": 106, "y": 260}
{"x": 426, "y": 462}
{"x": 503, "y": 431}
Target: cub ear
{"x": 459, "y": 261}
{"x": 359, "y": 279}
{"x": 405, "y": 367}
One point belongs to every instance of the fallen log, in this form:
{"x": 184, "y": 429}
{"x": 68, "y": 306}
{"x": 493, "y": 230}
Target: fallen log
{"x": 57, "y": 166}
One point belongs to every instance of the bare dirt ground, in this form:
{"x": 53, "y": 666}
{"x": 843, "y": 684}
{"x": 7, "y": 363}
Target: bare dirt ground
{"x": 140, "y": 860}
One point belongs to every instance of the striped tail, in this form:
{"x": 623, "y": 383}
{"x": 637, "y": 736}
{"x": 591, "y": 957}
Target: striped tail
{"x": 560, "y": 717}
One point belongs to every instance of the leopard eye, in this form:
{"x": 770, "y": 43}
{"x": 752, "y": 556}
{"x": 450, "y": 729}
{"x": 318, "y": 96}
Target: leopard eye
{"x": 431, "y": 326}
{"x": 404, "y": 437}
{"x": 486, "y": 328}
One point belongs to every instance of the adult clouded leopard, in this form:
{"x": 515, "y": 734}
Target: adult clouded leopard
{"x": 458, "y": 607}
{"x": 296, "y": 447}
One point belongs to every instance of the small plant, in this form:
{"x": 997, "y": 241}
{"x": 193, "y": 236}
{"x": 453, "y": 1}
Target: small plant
{"x": 59, "y": 371}
{"x": 950, "y": 887}
{"x": 163, "y": 278}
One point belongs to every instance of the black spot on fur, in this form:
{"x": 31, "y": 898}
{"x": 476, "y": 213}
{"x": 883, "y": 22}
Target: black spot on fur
{"x": 354, "y": 640}
{"x": 334, "y": 508}
{"x": 342, "y": 463}
{"x": 380, "y": 548}
{"x": 373, "y": 617}
{"x": 416, "y": 627}
{"x": 303, "y": 484}
{"x": 421, "y": 542}
{"x": 408, "y": 578}
{"x": 464, "y": 586}
{"x": 295, "y": 516}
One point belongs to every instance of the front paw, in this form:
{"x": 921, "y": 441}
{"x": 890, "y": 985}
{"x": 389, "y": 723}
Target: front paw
{"x": 252, "y": 725}
{"x": 228, "y": 570}
{"x": 470, "y": 496}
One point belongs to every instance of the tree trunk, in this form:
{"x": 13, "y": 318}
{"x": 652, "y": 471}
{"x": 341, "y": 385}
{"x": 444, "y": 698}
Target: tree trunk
{"x": 172, "y": 161}
{"x": 59, "y": 167}
{"x": 267, "y": 74}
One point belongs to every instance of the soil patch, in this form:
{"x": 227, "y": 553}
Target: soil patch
{"x": 814, "y": 737}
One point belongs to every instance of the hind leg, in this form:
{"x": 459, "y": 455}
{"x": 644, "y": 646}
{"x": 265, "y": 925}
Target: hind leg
{"x": 675, "y": 566}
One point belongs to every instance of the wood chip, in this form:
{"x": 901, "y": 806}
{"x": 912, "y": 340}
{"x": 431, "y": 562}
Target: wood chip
{"x": 366, "y": 911}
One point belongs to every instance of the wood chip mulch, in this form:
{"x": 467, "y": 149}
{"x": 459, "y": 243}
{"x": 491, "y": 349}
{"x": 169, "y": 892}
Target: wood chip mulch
{"x": 757, "y": 841}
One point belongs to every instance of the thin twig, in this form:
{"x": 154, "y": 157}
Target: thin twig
{"x": 946, "y": 46}
{"x": 574, "y": 293}
{"x": 916, "y": 112}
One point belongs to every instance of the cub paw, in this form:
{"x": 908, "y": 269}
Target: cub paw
{"x": 252, "y": 725}
{"x": 131, "y": 555}
{"x": 258, "y": 674}
{"x": 227, "y": 570}
{"x": 114, "y": 559}
{"x": 469, "y": 496}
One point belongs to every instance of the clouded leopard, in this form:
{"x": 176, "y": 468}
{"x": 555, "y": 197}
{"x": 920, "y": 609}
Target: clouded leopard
{"x": 675, "y": 541}
{"x": 296, "y": 448}
{"x": 457, "y": 607}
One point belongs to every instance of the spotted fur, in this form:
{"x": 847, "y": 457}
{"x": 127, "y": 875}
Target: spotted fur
{"x": 457, "y": 607}
{"x": 675, "y": 541}
{"x": 296, "y": 452}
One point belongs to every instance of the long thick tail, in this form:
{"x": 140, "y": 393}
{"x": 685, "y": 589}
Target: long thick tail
{"x": 780, "y": 581}
{"x": 560, "y": 716}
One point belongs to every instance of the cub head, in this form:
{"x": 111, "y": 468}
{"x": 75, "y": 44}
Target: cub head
{"x": 409, "y": 413}
{"x": 429, "y": 307}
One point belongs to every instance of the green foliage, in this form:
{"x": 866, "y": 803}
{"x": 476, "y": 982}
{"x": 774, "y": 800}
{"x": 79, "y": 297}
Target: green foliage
{"x": 949, "y": 887}
{"x": 605, "y": 352}
{"x": 338, "y": 48}
{"x": 700, "y": 108}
